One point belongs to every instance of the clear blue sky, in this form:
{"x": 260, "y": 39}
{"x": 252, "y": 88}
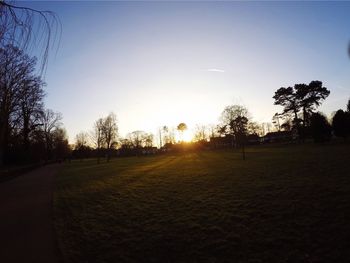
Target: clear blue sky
{"x": 161, "y": 63}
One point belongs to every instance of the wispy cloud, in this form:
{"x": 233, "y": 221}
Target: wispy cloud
{"x": 216, "y": 70}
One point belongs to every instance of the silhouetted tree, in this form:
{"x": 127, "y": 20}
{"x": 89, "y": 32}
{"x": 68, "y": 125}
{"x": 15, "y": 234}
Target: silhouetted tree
{"x": 148, "y": 140}
{"x": 276, "y": 121}
{"x": 341, "y": 124}
{"x": 96, "y": 136}
{"x": 21, "y": 96}
{"x": 81, "y": 146}
{"x": 287, "y": 98}
{"x": 320, "y": 128}
{"x": 181, "y": 128}
{"x": 81, "y": 140}
{"x": 235, "y": 120}
{"x": 254, "y": 128}
{"x": 200, "y": 133}
{"x": 238, "y": 126}
{"x": 310, "y": 97}
{"x": 140, "y": 139}
{"x": 110, "y": 133}
{"x": 137, "y": 138}
{"x": 60, "y": 146}
{"x": 50, "y": 122}
{"x": 301, "y": 97}
{"x": 30, "y": 104}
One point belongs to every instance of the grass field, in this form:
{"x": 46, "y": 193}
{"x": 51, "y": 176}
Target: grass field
{"x": 283, "y": 204}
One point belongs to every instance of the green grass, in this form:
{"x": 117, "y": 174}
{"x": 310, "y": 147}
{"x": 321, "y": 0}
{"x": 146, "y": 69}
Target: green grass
{"x": 283, "y": 204}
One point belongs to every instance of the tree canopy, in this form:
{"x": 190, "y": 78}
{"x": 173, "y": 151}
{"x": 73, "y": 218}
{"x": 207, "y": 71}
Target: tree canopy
{"x": 301, "y": 101}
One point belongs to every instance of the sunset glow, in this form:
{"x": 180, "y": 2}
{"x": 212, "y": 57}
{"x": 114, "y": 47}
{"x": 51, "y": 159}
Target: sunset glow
{"x": 157, "y": 63}
{"x": 186, "y": 137}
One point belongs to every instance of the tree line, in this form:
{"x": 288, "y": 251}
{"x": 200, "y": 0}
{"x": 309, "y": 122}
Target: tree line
{"x": 28, "y": 131}
{"x": 300, "y": 103}
{"x": 299, "y": 116}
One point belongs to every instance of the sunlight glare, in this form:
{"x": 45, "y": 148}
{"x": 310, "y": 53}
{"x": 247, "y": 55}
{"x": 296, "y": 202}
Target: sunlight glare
{"x": 186, "y": 136}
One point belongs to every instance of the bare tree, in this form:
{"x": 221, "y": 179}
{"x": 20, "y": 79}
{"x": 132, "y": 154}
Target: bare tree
{"x": 50, "y": 121}
{"x": 212, "y": 129}
{"x": 21, "y": 95}
{"x": 60, "y": 145}
{"x": 201, "y": 133}
{"x": 81, "y": 140}
{"x": 171, "y": 135}
{"x": 137, "y": 138}
{"x": 235, "y": 119}
{"x": 254, "y": 128}
{"x": 30, "y": 106}
{"x": 97, "y": 136}
{"x": 148, "y": 140}
{"x": 110, "y": 133}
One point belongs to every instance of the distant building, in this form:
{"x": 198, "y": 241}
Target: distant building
{"x": 280, "y": 136}
{"x": 222, "y": 142}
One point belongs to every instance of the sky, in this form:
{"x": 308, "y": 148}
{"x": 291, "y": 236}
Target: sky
{"x": 162, "y": 63}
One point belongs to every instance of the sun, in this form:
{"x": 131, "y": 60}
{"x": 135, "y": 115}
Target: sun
{"x": 185, "y": 136}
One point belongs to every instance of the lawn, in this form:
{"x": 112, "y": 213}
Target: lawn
{"x": 283, "y": 204}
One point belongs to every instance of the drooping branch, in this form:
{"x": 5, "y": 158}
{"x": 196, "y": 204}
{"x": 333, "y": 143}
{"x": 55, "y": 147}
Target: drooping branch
{"x": 29, "y": 29}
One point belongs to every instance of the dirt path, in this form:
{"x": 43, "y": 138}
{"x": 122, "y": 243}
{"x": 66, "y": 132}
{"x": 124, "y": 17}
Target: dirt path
{"x": 26, "y": 230}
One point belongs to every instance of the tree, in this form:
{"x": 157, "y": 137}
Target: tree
{"x": 320, "y": 128}
{"x": 27, "y": 28}
{"x": 235, "y": 120}
{"x": 287, "y": 98}
{"x": 254, "y": 128}
{"x": 276, "y": 121}
{"x": 60, "y": 145}
{"x": 201, "y": 133}
{"x": 81, "y": 140}
{"x": 139, "y": 139}
{"x": 148, "y": 140}
{"x": 20, "y": 89}
{"x": 301, "y": 97}
{"x": 50, "y": 121}
{"x": 181, "y": 128}
{"x": 21, "y": 96}
{"x": 310, "y": 97}
{"x": 136, "y": 138}
{"x": 238, "y": 126}
{"x": 341, "y": 124}
{"x": 30, "y": 105}
{"x": 81, "y": 146}
{"x": 110, "y": 132}
{"x": 164, "y": 136}
{"x": 97, "y": 137}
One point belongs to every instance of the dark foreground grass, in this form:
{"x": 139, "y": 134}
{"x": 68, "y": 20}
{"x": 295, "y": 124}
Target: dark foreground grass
{"x": 283, "y": 204}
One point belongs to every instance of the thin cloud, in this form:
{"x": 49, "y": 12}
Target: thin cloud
{"x": 216, "y": 70}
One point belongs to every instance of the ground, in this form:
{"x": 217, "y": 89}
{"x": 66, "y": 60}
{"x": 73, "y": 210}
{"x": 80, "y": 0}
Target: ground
{"x": 283, "y": 204}
{"x": 26, "y": 221}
